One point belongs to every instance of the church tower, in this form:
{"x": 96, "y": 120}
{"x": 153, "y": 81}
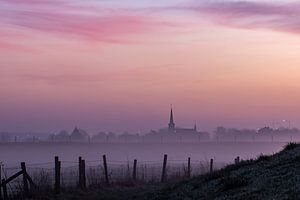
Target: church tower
{"x": 171, "y": 123}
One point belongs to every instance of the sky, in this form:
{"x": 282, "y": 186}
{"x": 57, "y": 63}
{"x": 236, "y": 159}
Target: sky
{"x": 117, "y": 65}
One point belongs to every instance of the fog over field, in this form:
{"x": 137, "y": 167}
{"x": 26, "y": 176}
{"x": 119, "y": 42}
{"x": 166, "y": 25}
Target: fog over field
{"x": 12, "y": 154}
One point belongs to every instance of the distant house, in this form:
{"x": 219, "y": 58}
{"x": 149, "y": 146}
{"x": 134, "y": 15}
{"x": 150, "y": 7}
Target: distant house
{"x": 79, "y": 135}
{"x": 265, "y": 130}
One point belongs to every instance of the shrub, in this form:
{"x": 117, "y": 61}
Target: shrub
{"x": 264, "y": 158}
{"x": 291, "y": 145}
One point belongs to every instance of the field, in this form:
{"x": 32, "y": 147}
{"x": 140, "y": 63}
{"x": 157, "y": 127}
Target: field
{"x": 39, "y": 159}
{"x": 12, "y": 154}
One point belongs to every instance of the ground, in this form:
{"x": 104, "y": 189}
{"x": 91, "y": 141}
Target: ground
{"x": 267, "y": 177}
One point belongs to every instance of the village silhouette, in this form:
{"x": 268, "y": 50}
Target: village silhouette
{"x": 171, "y": 133}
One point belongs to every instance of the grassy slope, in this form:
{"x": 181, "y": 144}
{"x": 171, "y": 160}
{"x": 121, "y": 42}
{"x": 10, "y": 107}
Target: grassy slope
{"x": 268, "y": 177}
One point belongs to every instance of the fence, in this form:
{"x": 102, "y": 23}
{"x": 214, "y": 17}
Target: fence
{"x": 83, "y": 174}
{"x": 26, "y": 179}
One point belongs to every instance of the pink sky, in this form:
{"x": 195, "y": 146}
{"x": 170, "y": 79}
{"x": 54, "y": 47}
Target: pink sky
{"x": 118, "y": 65}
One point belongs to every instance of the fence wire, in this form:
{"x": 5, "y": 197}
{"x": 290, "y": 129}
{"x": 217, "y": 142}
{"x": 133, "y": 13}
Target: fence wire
{"x": 119, "y": 172}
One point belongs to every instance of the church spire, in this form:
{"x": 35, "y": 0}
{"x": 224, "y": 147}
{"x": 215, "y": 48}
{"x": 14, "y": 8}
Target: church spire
{"x": 171, "y": 117}
{"x": 171, "y": 123}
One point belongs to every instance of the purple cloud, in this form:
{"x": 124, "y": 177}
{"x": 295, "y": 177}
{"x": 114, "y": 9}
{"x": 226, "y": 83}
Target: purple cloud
{"x": 283, "y": 17}
{"x": 67, "y": 18}
{"x": 70, "y": 19}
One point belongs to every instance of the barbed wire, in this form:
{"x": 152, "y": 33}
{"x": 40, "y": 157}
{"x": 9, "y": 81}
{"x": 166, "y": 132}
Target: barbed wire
{"x": 39, "y": 164}
{"x": 50, "y": 165}
{"x": 68, "y": 161}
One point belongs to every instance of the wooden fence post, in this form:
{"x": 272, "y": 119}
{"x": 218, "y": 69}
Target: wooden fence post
{"x": 57, "y": 175}
{"x": 211, "y": 165}
{"x": 105, "y": 169}
{"x": 134, "y": 170}
{"x": 79, "y": 171}
{"x": 3, "y": 183}
{"x": 26, "y": 189}
{"x": 83, "y": 174}
{"x": 189, "y": 168}
{"x": 163, "y": 174}
{"x": 237, "y": 160}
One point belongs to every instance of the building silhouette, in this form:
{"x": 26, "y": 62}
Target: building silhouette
{"x": 79, "y": 135}
{"x": 171, "y": 123}
{"x": 172, "y": 128}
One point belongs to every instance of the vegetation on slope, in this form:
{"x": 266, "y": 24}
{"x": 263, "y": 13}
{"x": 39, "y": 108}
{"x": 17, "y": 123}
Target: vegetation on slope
{"x": 268, "y": 177}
